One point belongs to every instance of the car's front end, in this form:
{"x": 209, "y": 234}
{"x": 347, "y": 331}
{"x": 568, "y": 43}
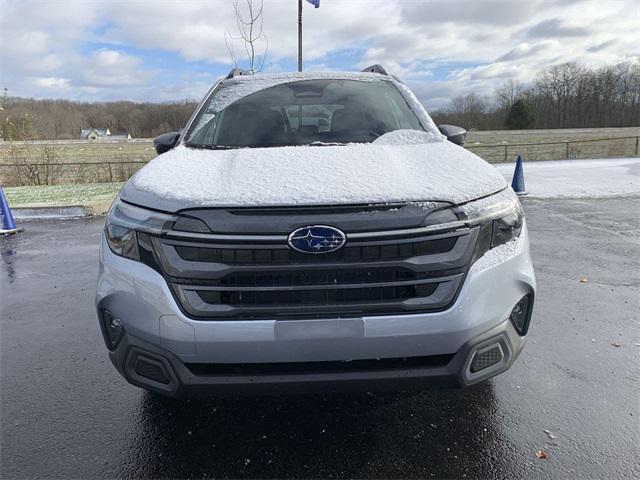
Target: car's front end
{"x": 419, "y": 293}
{"x": 313, "y": 232}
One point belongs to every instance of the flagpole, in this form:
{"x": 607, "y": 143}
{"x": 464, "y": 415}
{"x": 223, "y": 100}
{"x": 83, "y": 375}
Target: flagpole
{"x": 299, "y": 35}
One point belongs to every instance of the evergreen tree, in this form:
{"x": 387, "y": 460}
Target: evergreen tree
{"x": 521, "y": 115}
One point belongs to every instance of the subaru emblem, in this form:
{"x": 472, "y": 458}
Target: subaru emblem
{"x": 317, "y": 239}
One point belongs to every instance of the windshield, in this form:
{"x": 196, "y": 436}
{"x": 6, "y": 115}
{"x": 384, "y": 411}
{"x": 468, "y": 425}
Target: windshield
{"x": 305, "y": 112}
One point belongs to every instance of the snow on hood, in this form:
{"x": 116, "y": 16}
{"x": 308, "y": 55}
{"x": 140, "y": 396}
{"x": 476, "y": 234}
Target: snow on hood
{"x": 351, "y": 174}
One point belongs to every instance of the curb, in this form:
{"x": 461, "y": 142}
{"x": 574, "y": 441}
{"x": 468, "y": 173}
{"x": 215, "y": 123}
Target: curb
{"x": 43, "y": 213}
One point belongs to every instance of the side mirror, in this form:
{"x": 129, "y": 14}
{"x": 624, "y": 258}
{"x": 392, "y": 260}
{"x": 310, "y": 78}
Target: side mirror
{"x": 454, "y": 134}
{"x": 166, "y": 142}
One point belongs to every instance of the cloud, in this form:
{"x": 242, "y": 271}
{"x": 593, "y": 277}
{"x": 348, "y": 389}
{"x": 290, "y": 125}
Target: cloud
{"x": 468, "y": 12}
{"x": 163, "y": 50}
{"x": 112, "y": 68}
{"x": 554, "y": 28}
{"x": 194, "y": 29}
{"x": 51, "y": 82}
{"x": 524, "y": 50}
{"x": 437, "y": 94}
{"x": 601, "y": 46}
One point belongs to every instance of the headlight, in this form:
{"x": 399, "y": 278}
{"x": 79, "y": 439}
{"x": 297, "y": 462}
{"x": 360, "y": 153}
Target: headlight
{"x": 122, "y": 241}
{"x": 500, "y": 218}
{"x": 125, "y": 222}
{"x": 507, "y": 227}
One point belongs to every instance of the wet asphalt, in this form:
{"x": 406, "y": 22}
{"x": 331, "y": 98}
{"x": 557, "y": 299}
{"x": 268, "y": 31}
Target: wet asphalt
{"x": 65, "y": 411}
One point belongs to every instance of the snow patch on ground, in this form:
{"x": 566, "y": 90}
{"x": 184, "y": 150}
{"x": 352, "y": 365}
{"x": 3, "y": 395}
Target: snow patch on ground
{"x": 609, "y": 177}
{"x": 357, "y": 173}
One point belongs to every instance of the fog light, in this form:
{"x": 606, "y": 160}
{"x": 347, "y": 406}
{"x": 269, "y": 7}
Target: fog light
{"x": 113, "y": 329}
{"x": 486, "y": 357}
{"x": 520, "y": 315}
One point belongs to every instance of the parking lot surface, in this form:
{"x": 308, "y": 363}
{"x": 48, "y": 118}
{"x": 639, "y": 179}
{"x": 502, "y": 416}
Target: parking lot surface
{"x": 573, "y": 394}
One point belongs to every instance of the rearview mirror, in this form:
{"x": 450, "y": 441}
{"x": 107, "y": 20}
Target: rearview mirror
{"x": 454, "y": 134}
{"x": 166, "y": 142}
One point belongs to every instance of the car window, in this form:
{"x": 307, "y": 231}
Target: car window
{"x": 304, "y": 112}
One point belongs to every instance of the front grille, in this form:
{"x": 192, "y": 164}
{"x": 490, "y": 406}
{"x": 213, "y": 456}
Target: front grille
{"x": 292, "y": 368}
{"x": 316, "y": 296}
{"x": 356, "y": 253}
{"x": 375, "y": 273}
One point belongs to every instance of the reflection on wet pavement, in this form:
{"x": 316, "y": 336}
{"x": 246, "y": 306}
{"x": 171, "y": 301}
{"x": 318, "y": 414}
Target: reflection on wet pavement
{"x": 342, "y": 435}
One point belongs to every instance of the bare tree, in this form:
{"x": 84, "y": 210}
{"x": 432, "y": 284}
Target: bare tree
{"x": 508, "y": 93}
{"x": 559, "y": 85}
{"x": 29, "y": 119}
{"x": 469, "y": 111}
{"x": 250, "y": 33}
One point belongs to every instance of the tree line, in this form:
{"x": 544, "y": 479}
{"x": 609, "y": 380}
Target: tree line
{"x": 568, "y": 95}
{"x": 29, "y": 119}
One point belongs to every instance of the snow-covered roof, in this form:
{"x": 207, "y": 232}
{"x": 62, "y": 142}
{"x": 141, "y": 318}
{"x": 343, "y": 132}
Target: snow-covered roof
{"x": 309, "y": 75}
{"x": 102, "y": 132}
{"x": 235, "y": 88}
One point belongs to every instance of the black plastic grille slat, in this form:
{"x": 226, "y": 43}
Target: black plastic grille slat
{"x": 320, "y": 277}
{"x": 232, "y": 256}
{"x": 284, "y": 368}
{"x": 317, "y": 297}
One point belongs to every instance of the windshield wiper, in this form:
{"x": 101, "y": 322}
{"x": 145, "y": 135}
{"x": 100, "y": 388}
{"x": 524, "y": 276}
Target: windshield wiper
{"x": 232, "y": 147}
{"x": 318, "y": 143}
{"x": 211, "y": 147}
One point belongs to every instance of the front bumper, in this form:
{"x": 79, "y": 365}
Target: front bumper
{"x": 156, "y": 330}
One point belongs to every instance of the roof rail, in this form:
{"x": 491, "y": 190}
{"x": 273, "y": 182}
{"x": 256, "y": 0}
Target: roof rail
{"x": 375, "y": 69}
{"x": 236, "y": 72}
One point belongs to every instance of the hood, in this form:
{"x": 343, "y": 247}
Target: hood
{"x": 325, "y": 175}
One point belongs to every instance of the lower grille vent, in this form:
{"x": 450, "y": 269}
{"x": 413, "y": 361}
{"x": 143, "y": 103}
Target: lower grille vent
{"x": 317, "y": 296}
{"x": 292, "y": 368}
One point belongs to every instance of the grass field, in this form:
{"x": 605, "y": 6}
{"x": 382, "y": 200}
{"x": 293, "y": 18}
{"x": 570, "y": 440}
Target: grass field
{"x": 97, "y": 196}
{"x": 504, "y": 145}
{"x": 70, "y": 151}
{"x": 492, "y": 137}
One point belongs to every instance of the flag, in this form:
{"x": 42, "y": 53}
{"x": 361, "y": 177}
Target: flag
{"x": 315, "y": 3}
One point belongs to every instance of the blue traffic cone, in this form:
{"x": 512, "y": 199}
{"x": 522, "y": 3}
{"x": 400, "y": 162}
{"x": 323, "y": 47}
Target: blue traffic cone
{"x": 518, "y": 178}
{"x": 8, "y": 223}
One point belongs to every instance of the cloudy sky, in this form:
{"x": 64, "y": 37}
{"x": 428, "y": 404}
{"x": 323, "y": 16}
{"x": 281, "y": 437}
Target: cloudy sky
{"x": 164, "y": 50}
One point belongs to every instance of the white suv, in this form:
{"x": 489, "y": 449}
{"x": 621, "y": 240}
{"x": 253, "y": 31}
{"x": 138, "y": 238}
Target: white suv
{"x": 313, "y": 231}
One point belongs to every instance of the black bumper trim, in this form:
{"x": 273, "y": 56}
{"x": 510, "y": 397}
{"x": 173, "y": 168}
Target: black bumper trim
{"x": 186, "y": 383}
